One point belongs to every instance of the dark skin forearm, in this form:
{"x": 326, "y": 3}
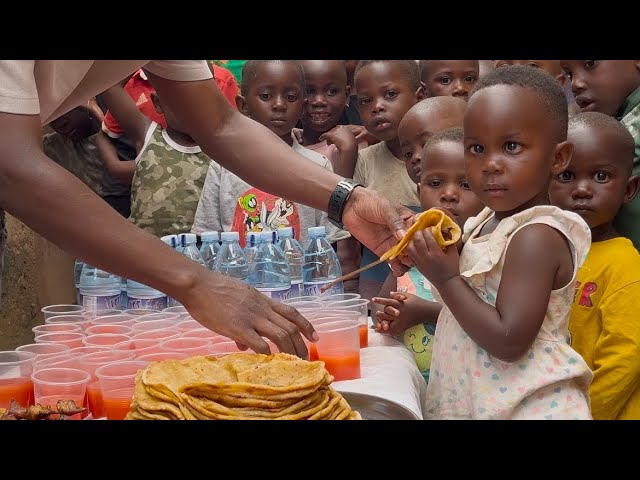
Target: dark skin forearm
{"x": 62, "y": 209}
{"x": 230, "y": 138}
{"x": 120, "y": 170}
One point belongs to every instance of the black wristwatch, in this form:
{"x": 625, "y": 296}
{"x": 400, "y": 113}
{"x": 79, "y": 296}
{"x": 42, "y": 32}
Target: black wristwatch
{"x": 338, "y": 200}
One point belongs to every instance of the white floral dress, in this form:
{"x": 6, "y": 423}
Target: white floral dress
{"x": 551, "y": 380}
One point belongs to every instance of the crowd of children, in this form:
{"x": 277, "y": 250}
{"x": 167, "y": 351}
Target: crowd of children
{"x": 534, "y": 315}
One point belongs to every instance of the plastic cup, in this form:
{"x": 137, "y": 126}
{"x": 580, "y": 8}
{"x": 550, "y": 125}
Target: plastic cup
{"x": 81, "y": 320}
{"x": 119, "y": 319}
{"x": 200, "y": 333}
{"x": 104, "y": 339}
{"x": 55, "y": 328}
{"x": 362, "y": 307}
{"x": 162, "y": 356}
{"x": 44, "y": 350}
{"x": 180, "y": 310}
{"x": 70, "y": 339}
{"x": 163, "y": 334}
{"x": 190, "y": 346}
{"x": 15, "y": 378}
{"x": 339, "y": 348}
{"x": 90, "y": 363}
{"x": 79, "y": 351}
{"x": 188, "y": 325}
{"x": 117, "y": 381}
{"x": 110, "y": 329}
{"x": 91, "y": 314}
{"x": 62, "y": 309}
{"x": 289, "y": 301}
{"x": 138, "y": 312}
{"x": 225, "y": 348}
{"x": 340, "y": 297}
{"x": 53, "y": 384}
{"x": 65, "y": 360}
{"x": 152, "y": 325}
{"x": 140, "y": 347}
{"x": 151, "y": 317}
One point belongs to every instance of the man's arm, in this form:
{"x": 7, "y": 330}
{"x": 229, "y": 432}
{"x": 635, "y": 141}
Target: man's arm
{"x": 132, "y": 121}
{"x": 61, "y": 208}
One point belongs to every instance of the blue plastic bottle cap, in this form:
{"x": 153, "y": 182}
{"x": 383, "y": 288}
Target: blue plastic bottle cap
{"x": 211, "y": 236}
{"x": 229, "y": 236}
{"x": 285, "y": 232}
{"x": 316, "y": 231}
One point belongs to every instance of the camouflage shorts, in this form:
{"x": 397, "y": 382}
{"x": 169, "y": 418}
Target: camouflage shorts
{"x": 3, "y": 241}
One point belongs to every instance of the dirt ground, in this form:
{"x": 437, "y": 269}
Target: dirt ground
{"x": 36, "y": 274}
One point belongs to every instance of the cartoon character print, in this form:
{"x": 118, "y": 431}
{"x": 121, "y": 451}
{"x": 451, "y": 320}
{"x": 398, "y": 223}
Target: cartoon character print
{"x": 257, "y": 211}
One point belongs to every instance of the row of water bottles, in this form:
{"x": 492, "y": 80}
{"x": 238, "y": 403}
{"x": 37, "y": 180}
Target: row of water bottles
{"x": 272, "y": 261}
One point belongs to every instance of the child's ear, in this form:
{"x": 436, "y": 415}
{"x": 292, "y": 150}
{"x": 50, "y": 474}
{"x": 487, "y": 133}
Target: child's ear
{"x": 561, "y": 79}
{"x": 562, "y": 157}
{"x": 157, "y": 104}
{"x": 241, "y": 104}
{"x": 632, "y": 189}
{"x": 420, "y": 92}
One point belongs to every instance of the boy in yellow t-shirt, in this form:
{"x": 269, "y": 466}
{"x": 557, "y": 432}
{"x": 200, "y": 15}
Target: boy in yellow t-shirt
{"x": 605, "y": 316}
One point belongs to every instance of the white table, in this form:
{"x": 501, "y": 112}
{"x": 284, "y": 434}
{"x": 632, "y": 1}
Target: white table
{"x": 389, "y": 371}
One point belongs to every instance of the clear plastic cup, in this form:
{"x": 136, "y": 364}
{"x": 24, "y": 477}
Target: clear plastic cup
{"x": 152, "y": 325}
{"x": 190, "y": 346}
{"x": 16, "y": 368}
{"x": 79, "y": 351}
{"x": 163, "y": 334}
{"x": 225, "y": 348}
{"x": 339, "y": 348}
{"x": 339, "y": 297}
{"x": 66, "y": 360}
{"x": 154, "y": 317}
{"x": 200, "y": 333}
{"x": 188, "y": 325}
{"x": 110, "y": 329}
{"x": 55, "y": 328}
{"x": 180, "y": 310}
{"x": 140, "y": 347}
{"x": 117, "y": 381}
{"x": 362, "y": 307}
{"x": 289, "y": 301}
{"x": 162, "y": 356}
{"x": 119, "y": 319}
{"x": 105, "y": 339}
{"x": 90, "y": 363}
{"x": 62, "y": 309}
{"x": 43, "y": 350}
{"x": 70, "y": 339}
{"x": 53, "y": 384}
{"x": 91, "y": 314}
{"x": 138, "y": 312}
{"x": 75, "y": 319}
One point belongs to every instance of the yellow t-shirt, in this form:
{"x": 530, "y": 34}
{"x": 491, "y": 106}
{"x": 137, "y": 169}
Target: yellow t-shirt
{"x": 605, "y": 327}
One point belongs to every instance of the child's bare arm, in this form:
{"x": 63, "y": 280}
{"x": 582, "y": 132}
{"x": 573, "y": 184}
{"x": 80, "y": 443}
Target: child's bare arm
{"x": 120, "y": 170}
{"x": 389, "y": 285}
{"x": 616, "y": 374}
{"x": 134, "y": 123}
{"x": 347, "y": 146}
{"x": 535, "y": 256}
{"x": 403, "y": 310}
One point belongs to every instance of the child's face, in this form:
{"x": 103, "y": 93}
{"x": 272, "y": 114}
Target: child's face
{"x": 416, "y": 128}
{"x": 596, "y": 182}
{"x": 450, "y": 78}
{"x": 510, "y": 148}
{"x": 327, "y": 94}
{"x": 275, "y": 98}
{"x": 384, "y": 96}
{"x": 602, "y": 85}
{"x": 443, "y": 182}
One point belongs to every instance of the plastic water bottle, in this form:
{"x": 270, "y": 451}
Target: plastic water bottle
{"x": 251, "y": 247}
{"x": 100, "y": 290}
{"x": 294, "y": 254}
{"x": 321, "y": 264}
{"x": 189, "y": 248}
{"x": 270, "y": 272}
{"x": 123, "y": 294}
{"x": 141, "y": 296}
{"x": 77, "y": 272}
{"x": 171, "y": 241}
{"x": 209, "y": 248}
{"x": 231, "y": 260}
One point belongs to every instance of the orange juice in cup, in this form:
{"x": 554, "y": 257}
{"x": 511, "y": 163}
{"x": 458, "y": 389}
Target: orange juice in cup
{"x": 53, "y": 384}
{"x": 117, "y": 381}
{"x": 339, "y": 347}
{"x": 15, "y": 378}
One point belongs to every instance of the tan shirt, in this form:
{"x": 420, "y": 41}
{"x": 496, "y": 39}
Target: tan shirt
{"x": 51, "y": 88}
{"x": 379, "y": 169}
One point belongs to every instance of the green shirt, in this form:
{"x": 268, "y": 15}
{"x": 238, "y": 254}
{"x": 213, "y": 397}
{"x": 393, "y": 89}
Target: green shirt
{"x": 627, "y": 222}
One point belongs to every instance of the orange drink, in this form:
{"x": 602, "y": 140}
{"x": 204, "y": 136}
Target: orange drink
{"x": 117, "y": 381}
{"x": 53, "y": 384}
{"x": 339, "y": 347}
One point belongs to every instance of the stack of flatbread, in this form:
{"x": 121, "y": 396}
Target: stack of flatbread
{"x": 241, "y": 386}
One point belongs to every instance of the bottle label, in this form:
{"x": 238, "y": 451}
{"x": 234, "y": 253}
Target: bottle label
{"x": 101, "y": 302}
{"x": 157, "y": 303}
{"x": 313, "y": 289}
{"x": 277, "y": 294}
{"x": 78, "y": 296}
{"x": 123, "y": 300}
{"x": 297, "y": 289}
{"x": 172, "y": 302}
